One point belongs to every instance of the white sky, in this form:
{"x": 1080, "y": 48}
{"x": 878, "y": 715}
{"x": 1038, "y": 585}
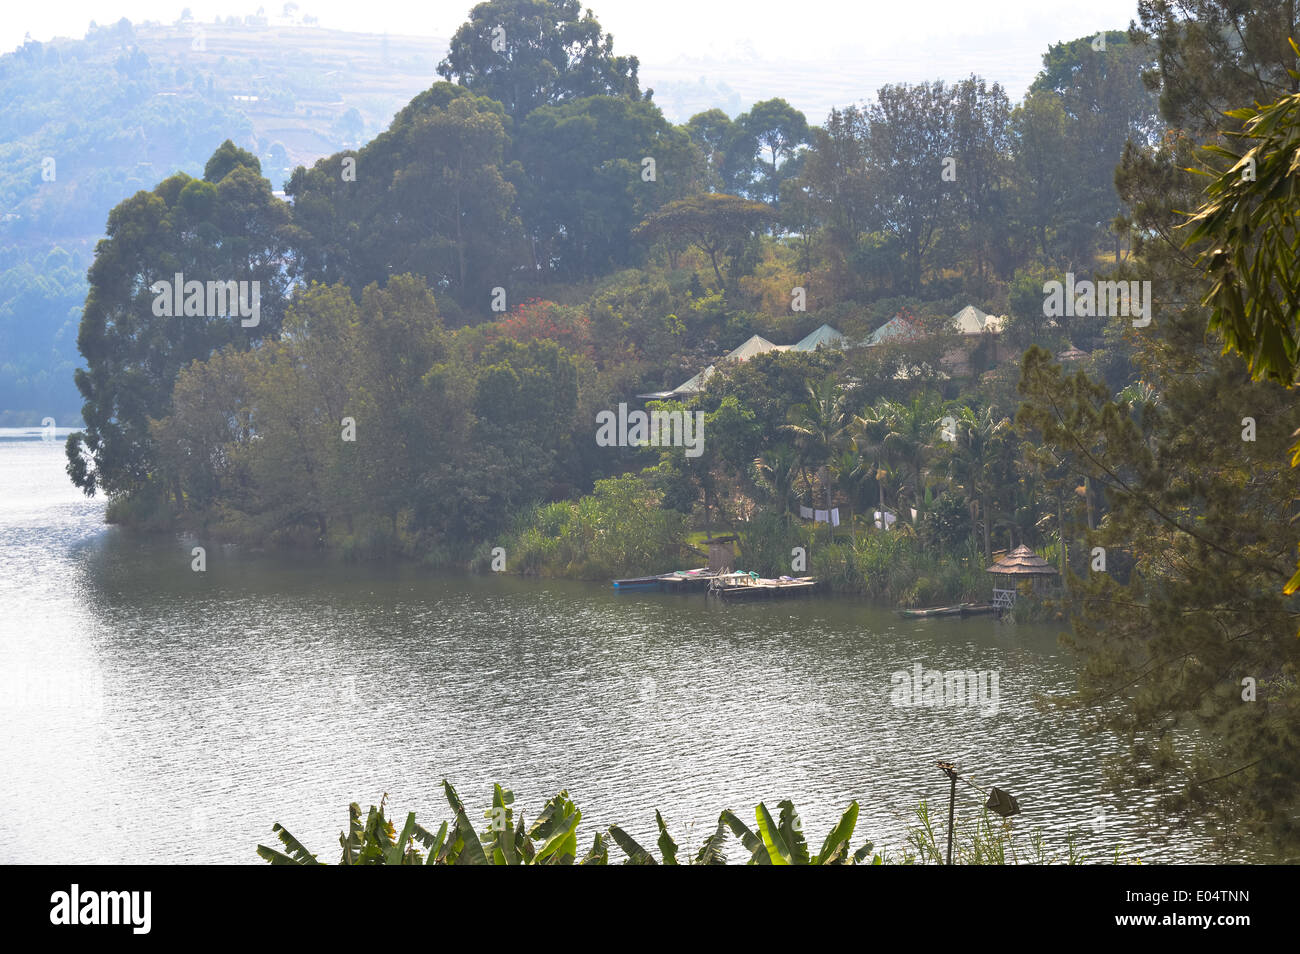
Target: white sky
{"x": 885, "y": 40}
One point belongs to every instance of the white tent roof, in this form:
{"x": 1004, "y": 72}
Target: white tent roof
{"x": 755, "y": 344}
{"x": 897, "y": 328}
{"x": 750, "y": 347}
{"x": 823, "y": 337}
{"x": 696, "y": 384}
{"x": 971, "y": 321}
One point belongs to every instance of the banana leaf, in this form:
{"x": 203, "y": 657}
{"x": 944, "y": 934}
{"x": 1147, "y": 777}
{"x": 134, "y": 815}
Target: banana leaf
{"x": 791, "y": 829}
{"x": 836, "y": 846}
{"x": 712, "y": 851}
{"x": 863, "y": 852}
{"x": 552, "y": 813}
{"x": 275, "y": 857}
{"x": 599, "y": 853}
{"x": 503, "y": 840}
{"x": 667, "y": 847}
{"x": 351, "y": 842}
{"x": 636, "y": 855}
{"x": 753, "y": 844}
{"x": 297, "y": 850}
{"x": 395, "y": 853}
{"x": 432, "y": 843}
{"x": 562, "y": 846}
{"x": 777, "y": 849}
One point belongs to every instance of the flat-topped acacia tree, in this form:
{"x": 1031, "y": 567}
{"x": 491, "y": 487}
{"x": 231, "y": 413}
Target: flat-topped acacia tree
{"x": 716, "y": 224}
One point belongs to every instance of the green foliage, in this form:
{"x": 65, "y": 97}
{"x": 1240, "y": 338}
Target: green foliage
{"x": 552, "y": 840}
{"x": 1247, "y": 228}
{"x": 428, "y": 196}
{"x": 617, "y": 529}
{"x": 718, "y": 225}
{"x": 239, "y": 232}
{"x": 553, "y": 52}
{"x": 1203, "y": 609}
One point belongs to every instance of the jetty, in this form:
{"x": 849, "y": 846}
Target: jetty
{"x": 678, "y": 581}
{"x": 751, "y": 586}
{"x": 722, "y": 557}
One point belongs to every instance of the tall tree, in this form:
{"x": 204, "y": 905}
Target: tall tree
{"x": 585, "y": 181}
{"x": 531, "y": 53}
{"x": 427, "y": 197}
{"x": 909, "y": 136}
{"x": 226, "y": 227}
{"x": 1192, "y": 656}
{"x": 775, "y": 133}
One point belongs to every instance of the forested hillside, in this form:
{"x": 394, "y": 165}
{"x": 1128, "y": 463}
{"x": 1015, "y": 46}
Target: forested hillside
{"x": 88, "y": 122}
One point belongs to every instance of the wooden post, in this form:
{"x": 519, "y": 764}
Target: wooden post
{"x": 950, "y": 770}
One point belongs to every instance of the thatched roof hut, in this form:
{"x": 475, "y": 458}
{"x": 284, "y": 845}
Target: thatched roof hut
{"x": 1022, "y": 562}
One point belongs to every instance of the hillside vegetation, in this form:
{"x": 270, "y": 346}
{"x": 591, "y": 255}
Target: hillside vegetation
{"x": 89, "y": 122}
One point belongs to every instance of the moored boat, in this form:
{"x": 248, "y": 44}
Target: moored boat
{"x": 960, "y": 609}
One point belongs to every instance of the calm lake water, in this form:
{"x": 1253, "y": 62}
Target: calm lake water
{"x": 154, "y": 714}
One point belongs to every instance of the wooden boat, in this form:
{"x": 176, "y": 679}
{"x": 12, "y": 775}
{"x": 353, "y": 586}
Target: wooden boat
{"x": 637, "y": 583}
{"x": 679, "y": 581}
{"x": 960, "y": 609}
{"x": 750, "y": 586}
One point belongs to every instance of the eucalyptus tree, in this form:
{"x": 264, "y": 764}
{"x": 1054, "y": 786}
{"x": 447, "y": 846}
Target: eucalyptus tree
{"x": 223, "y": 229}
{"x": 526, "y": 54}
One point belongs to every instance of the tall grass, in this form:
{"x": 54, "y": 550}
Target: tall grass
{"x": 617, "y": 530}
{"x": 893, "y": 566}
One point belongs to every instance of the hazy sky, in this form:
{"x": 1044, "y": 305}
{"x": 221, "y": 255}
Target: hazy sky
{"x": 865, "y": 40}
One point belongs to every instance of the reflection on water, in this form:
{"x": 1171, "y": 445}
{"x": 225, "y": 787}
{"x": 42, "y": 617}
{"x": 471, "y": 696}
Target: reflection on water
{"x": 155, "y": 714}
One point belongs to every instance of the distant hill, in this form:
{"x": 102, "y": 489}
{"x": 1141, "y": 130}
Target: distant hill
{"x": 86, "y": 123}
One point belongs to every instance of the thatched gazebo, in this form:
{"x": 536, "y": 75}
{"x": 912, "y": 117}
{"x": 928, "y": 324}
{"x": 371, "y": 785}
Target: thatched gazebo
{"x": 1021, "y": 563}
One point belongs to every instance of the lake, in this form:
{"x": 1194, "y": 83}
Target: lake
{"x": 152, "y": 714}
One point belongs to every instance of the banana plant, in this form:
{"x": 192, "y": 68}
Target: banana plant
{"x": 553, "y": 839}
{"x": 710, "y": 853}
{"x": 780, "y": 841}
{"x": 374, "y": 842}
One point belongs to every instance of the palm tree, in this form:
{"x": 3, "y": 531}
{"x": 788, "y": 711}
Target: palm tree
{"x": 899, "y": 438}
{"x": 979, "y": 445}
{"x": 820, "y": 426}
{"x": 776, "y": 469}
{"x": 848, "y": 466}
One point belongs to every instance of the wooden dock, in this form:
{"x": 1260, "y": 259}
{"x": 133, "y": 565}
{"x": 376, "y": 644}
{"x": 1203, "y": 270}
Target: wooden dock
{"x": 746, "y": 586}
{"x": 679, "y": 581}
